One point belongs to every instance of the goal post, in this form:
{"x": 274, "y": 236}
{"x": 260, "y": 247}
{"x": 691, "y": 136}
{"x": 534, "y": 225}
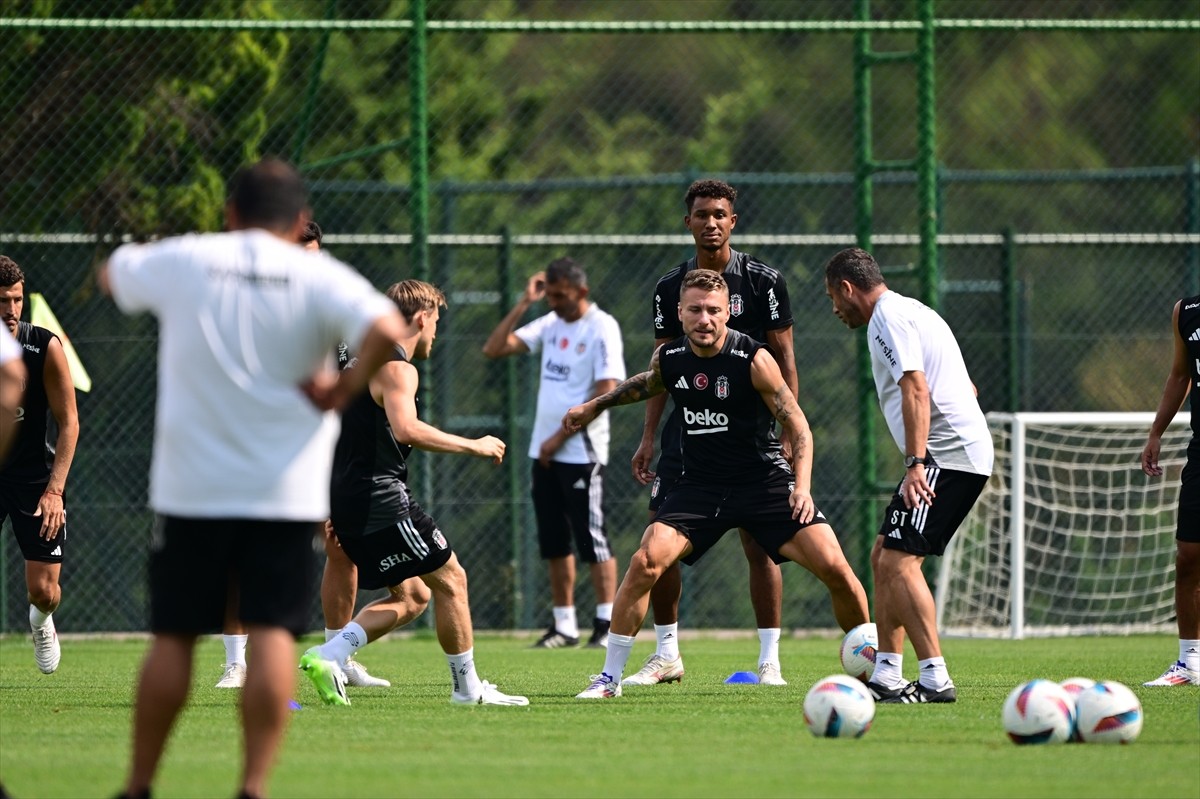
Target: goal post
{"x": 1069, "y": 536}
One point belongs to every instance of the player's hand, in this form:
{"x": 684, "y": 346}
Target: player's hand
{"x": 321, "y": 390}
{"x": 803, "y": 506}
{"x": 640, "y": 463}
{"x": 330, "y": 533}
{"x": 915, "y": 489}
{"x": 535, "y": 289}
{"x": 490, "y": 447}
{"x": 550, "y": 446}
{"x": 54, "y": 516}
{"x": 1150, "y": 458}
{"x": 578, "y": 417}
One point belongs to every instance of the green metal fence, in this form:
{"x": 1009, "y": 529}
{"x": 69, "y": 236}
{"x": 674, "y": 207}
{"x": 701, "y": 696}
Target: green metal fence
{"x": 473, "y": 141}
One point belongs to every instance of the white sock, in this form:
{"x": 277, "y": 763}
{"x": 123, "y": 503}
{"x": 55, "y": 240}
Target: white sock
{"x": 667, "y": 636}
{"x": 1189, "y": 653}
{"x": 463, "y": 679}
{"x": 619, "y": 648}
{"x": 349, "y": 640}
{"x": 768, "y": 645}
{"x": 888, "y": 669}
{"x": 235, "y": 649}
{"x": 330, "y": 633}
{"x": 604, "y": 611}
{"x": 564, "y": 621}
{"x": 37, "y": 619}
{"x": 933, "y": 673}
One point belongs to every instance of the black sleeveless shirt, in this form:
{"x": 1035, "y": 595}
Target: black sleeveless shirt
{"x": 1189, "y": 329}
{"x": 367, "y": 490}
{"x": 726, "y": 426}
{"x": 32, "y": 452}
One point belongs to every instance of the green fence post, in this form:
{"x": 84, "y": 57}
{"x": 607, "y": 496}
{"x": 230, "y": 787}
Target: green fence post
{"x": 927, "y": 159}
{"x": 1012, "y": 318}
{"x": 418, "y": 144}
{"x": 512, "y": 410}
{"x": 1192, "y": 206}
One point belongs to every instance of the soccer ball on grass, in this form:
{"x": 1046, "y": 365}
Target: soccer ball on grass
{"x": 1039, "y": 712}
{"x": 1108, "y": 712}
{"x": 858, "y": 651}
{"x": 838, "y": 706}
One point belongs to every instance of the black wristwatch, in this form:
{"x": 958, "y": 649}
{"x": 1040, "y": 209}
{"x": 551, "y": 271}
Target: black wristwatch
{"x": 912, "y": 460}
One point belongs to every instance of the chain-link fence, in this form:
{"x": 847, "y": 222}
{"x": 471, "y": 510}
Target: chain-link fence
{"x": 1068, "y": 200}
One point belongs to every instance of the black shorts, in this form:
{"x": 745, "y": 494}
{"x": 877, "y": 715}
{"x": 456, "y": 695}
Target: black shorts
{"x": 666, "y": 477}
{"x": 568, "y": 500}
{"x": 705, "y": 512}
{"x": 927, "y": 529}
{"x": 411, "y": 547}
{"x": 193, "y": 563}
{"x": 18, "y": 502}
{"x": 1188, "y": 524}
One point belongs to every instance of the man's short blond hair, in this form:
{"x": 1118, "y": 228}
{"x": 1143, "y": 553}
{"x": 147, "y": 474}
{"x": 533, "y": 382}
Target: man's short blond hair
{"x": 411, "y": 296}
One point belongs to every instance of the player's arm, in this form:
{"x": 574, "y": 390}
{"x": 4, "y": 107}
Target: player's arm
{"x": 914, "y": 407}
{"x": 655, "y": 407}
{"x": 502, "y": 341}
{"x": 638, "y": 388}
{"x": 12, "y": 387}
{"x": 782, "y": 347}
{"x": 60, "y": 396}
{"x": 329, "y": 391}
{"x": 768, "y": 381}
{"x": 394, "y": 388}
{"x": 1175, "y": 391}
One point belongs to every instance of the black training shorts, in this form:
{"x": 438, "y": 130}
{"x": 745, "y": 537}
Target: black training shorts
{"x": 927, "y": 529}
{"x": 193, "y": 563}
{"x": 411, "y": 547}
{"x": 18, "y": 502}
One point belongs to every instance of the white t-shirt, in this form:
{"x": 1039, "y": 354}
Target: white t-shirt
{"x": 905, "y": 335}
{"x": 575, "y": 356}
{"x": 10, "y": 350}
{"x": 244, "y": 318}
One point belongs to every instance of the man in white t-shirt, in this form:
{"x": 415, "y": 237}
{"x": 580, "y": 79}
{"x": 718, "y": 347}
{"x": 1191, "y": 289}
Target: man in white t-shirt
{"x": 12, "y": 383}
{"x": 932, "y": 411}
{"x": 582, "y": 357}
{"x": 243, "y": 443}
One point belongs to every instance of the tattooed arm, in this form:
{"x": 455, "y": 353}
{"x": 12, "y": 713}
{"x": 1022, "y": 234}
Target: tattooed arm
{"x": 638, "y": 388}
{"x": 769, "y": 382}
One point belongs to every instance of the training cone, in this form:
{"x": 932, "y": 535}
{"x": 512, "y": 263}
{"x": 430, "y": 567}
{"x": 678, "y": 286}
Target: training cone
{"x": 742, "y": 678}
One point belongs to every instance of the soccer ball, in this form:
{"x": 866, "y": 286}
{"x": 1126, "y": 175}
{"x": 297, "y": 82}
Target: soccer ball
{"x": 858, "y": 651}
{"x": 1074, "y": 685}
{"x": 1039, "y": 712}
{"x": 1108, "y": 712}
{"x": 838, "y": 707}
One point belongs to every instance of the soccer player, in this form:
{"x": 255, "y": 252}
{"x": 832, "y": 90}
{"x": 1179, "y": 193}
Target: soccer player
{"x": 729, "y": 389}
{"x": 12, "y": 386}
{"x": 582, "y": 357}
{"x": 339, "y": 581}
{"x": 243, "y": 445}
{"x": 394, "y": 543}
{"x": 759, "y": 307}
{"x": 1184, "y": 374}
{"x": 33, "y": 477}
{"x": 931, "y": 409}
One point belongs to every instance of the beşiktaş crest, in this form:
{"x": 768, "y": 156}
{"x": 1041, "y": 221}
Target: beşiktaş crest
{"x": 736, "y": 306}
{"x": 722, "y": 389}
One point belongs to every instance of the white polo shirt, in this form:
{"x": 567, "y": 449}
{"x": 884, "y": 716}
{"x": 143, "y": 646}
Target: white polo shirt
{"x": 10, "y": 350}
{"x": 244, "y": 318}
{"x": 905, "y": 335}
{"x": 575, "y": 355}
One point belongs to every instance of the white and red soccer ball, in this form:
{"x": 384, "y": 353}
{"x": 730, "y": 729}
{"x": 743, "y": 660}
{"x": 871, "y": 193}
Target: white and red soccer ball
{"x": 839, "y": 706}
{"x": 858, "y": 651}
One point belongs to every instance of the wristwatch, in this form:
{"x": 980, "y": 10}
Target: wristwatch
{"x": 912, "y": 460}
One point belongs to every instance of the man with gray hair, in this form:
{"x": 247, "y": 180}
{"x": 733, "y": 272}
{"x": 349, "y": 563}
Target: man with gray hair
{"x": 582, "y": 357}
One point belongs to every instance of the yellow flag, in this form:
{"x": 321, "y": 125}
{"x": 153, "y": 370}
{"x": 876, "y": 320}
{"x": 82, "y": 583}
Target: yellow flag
{"x": 41, "y": 315}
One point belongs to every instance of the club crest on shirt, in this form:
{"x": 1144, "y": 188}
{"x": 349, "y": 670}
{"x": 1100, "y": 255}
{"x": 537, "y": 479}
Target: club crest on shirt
{"x": 580, "y": 347}
{"x": 700, "y": 381}
{"x": 722, "y": 387}
{"x": 735, "y": 305}
{"x": 439, "y": 539}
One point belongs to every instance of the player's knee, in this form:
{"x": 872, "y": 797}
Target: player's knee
{"x": 645, "y": 566}
{"x": 44, "y": 594}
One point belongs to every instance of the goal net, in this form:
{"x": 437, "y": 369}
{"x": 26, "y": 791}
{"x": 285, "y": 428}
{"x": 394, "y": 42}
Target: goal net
{"x": 1069, "y": 537}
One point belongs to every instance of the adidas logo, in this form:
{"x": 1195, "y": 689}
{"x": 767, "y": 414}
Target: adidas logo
{"x": 895, "y": 533}
{"x": 57, "y": 553}
{"x": 579, "y": 484}
{"x": 682, "y": 382}
{"x": 1195, "y": 336}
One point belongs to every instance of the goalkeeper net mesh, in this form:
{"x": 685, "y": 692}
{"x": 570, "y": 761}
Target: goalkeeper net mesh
{"x": 1069, "y": 537}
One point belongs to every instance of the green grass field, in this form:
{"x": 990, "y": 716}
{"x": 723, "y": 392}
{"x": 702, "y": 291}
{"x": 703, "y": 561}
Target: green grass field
{"x": 67, "y": 735}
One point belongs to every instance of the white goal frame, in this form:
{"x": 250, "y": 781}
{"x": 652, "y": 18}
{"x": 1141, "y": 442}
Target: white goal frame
{"x": 995, "y": 519}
